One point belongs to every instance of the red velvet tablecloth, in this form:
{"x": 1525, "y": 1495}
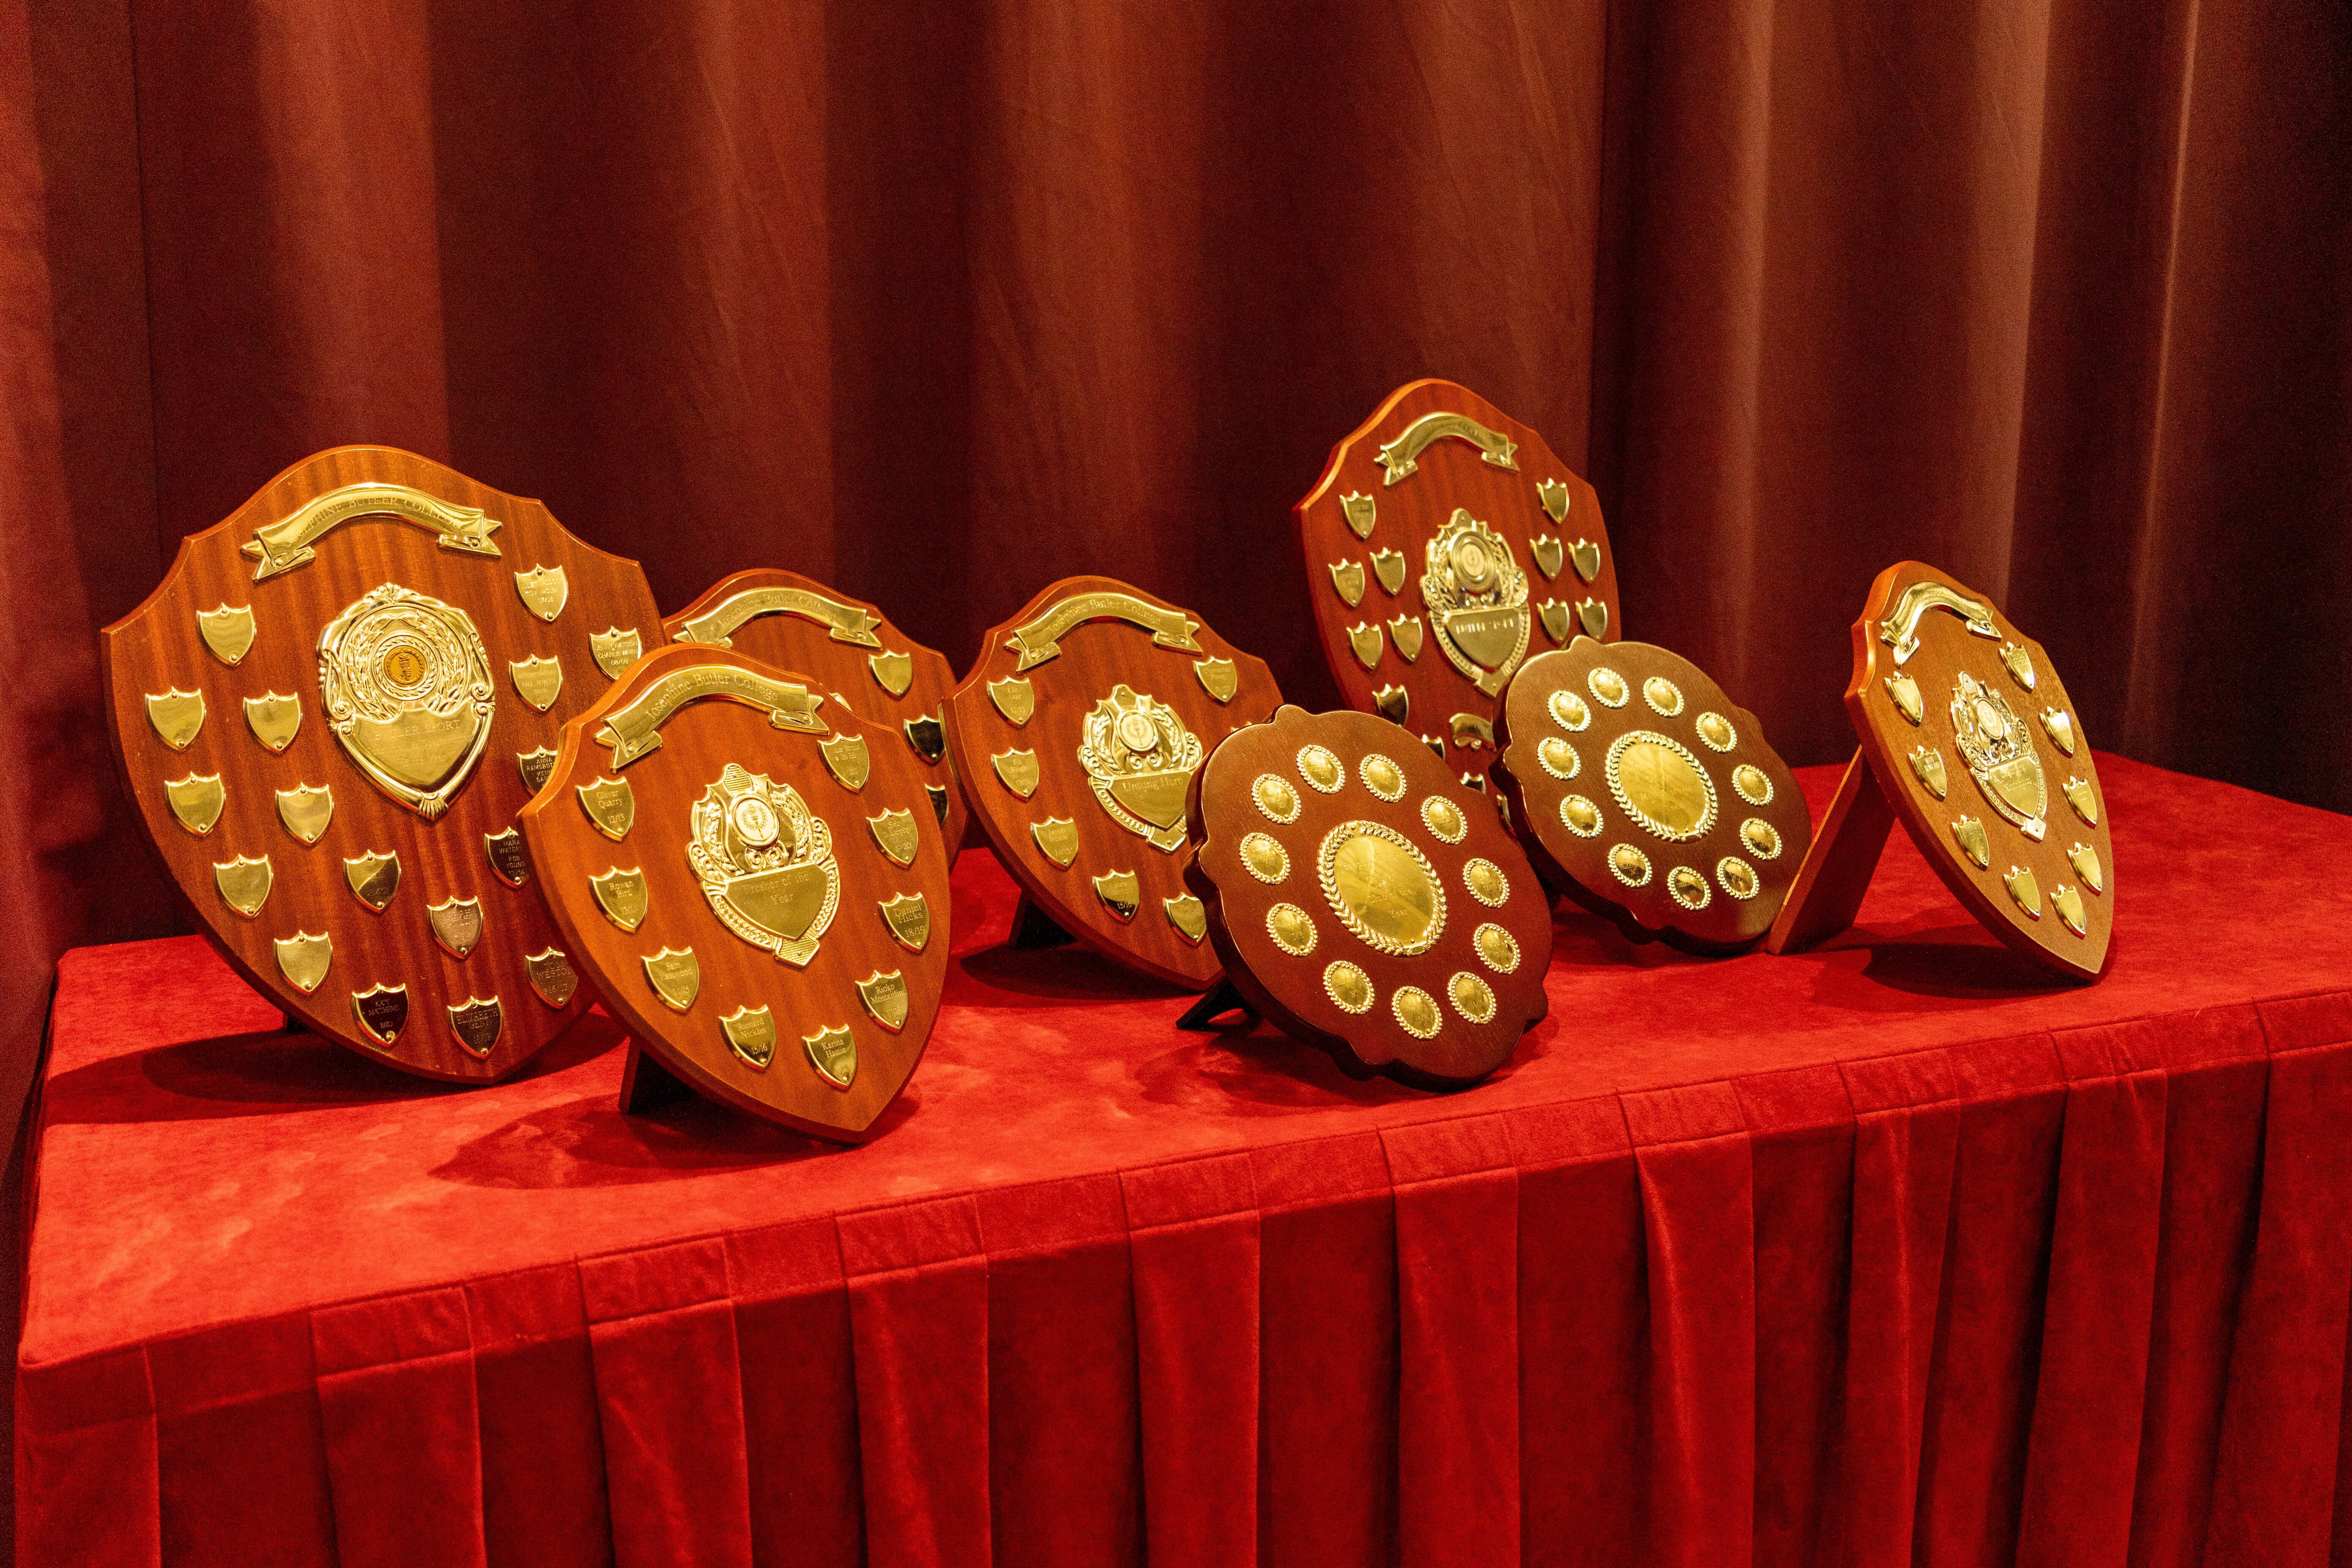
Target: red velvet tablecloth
{"x": 1890, "y": 1253}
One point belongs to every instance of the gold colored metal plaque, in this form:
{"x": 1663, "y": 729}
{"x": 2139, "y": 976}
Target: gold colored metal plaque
{"x": 305, "y": 810}
{"x": 2018, "y": 663}
{"x": 228, "y": 631}
{"x": 1900, "y": 630}
{"x": 1580, "y": 815}
{"x": 1265, "y": 858}
{"x": 1406, "y": 630}
{"x": 909, "y": 916}
{"x": 751, "y": 1034}
{"x": 1187, "y": 914}
{"x": 1365, "y": 641}
{"x": 551, "y": 976}
{"x": 177, "y": 715}
{"x": 373, "y": 878}
{"x": 615, "y": 650}
{"x": 1553, "y": 495}
{"x": 1382, "y": 887}
{"x": 1662, "y": 785}
{"x": 611, "y": 805}
{"x": 1445, "y": 818}
{"x": 1014, "y": 698}
{"x": 537, "y": 680}
{"x": 1928, "y": 763}
{"x": 1394, "y": 702}
{"x": 1557, "y": 624}
{"x": 636, "y": 729}
{"x": 1039, "y": 640}
{"x": 456, "y": 924}
{"x": 1763, "y": 839}
{"x": 382, "y": 1012}
{"x": 536, "y": 767}
{"x": 1737, "y": 877}
{"x": 2000, "y": 754}
{"x": 405, "y": 683}
{"x": 543, "y": 590}
{"x": 274, "y": 720}
{"x": 1218, "y": 677}
{"x": 833, "y": 1053}
{"x": 1348, "y": 986}
{"x": 1348, "y": 578}
{"x": 1139, "y": 759}
{"x": 1361, "y": 512}
{"x": 304, "y": 959}
{"x": 676, "y": 975}
{"x": 1382, "y": 776}
{"x": 2068, "y": 903}
{"x": 927, "y": 736}
{"x": 1416, "y": 1012}
{"x": 1592, "y": 615}
{"x": 893, "y": 672}
{"x": 2059, "y": 727}
{"x": 1970, "y": 835}
{"x": 1470, "y": 732}
{"x": 623, "y": 896}
{"x": 244, "y": 883}
{"x": 1387, "y": 566}
{"x": 895, "y": 835}
{"x": 1906, "y": 693}
{"x": 1498, "y": 950}
{"x": 283, "y": 545}
{"x": 509, "y": 859}
{"x": 2085, "y": 803}
{"x": 1401, "y": 457}
{"x": 1585, "y": 556}
{"x": 1058, "y": 837}
{"x": 477, "y": 1023}
{"x": 846, "y": 760}
{"x": 1478, "y": 601}
{"x": 885, "y": 996}
{"x": 2023, "y": 890}
{"x": 197, "y": 800}
{"x": 1121, "y": 893}
{"x": 1017, "y": 770}
{"x": 2086, "y": 861}
{"x": 939, "y": 801}
{"x": 1292, "y": 929}
{"x": 1546, "y": 554}
{"x": 1321, "y": 767}
{"x": 843, "y": 623}
{"x": 766, "y": 863}
{"x": 1472, "y": 997}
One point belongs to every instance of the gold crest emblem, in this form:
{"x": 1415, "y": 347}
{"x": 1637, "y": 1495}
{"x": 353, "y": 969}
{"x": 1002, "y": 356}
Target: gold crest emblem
{"x": 305, "y": 811}
{"x": 177, "y": 715}
{"x": 676, "y": 975}
{"x": 909, "y": 916}
{"x": 510, "y": 860}
{"x": 1394, "y": 703}
{"x": 611, "y": 805}
{"x": 2084, "y": 799}
{"x": 846, "y": 760}
{"x": 896, "y": 835}
{"x": 1593, "y": 615}
{"x": 1904, "y": 692}
{"x": 1928, "y": 763}
{"x": 766, "y": 863}
{"x": 1139, "y": 760}
{"x": 274, "y": 720}
{"x": 615, "y": 650}
{"x": 1014, "y": 698}
{"x": 2059, "y": 727}
{"x": 885, "y": 996}
{"x": 1017, "y": 770}
{"x": 551, "y": 976}
{"x": 833, "y": 1053}
{"x": 405, "y": 683}
{"x": 1348, "y": 578}
{"x": 751, "y": 1034}
{"x": 536, "y": 767}
{"x": 2086, "y": 861}
{"x": 1189, "y": 916}
{"x": 456, "y": 924}
{"x": 1478, "y": 601}
{"x": 228, "y": 631}
{"x": 304, "y": 959}
{"x": 1058, "y": 837}
{"x": 1387, "y": 566}
{"x": 382, "y": 1012}
{"x": 196, "y": 801}
{"x": 1364, "y": 641}
{"x": 893, "y": 672}
{"x": 543, "y": 591}
{"x": 477, "y": 1023}
{"x": 244, "y": 883}
{"x": 1218, "y": 677}
{"x": 1361, "y": 512}
{"x": 537, "y": 680}
{"x": 373, "y": 878}
{"x": 622, "y": 895}
{"x": 928, "y": 738}
{"x": 1585, "y": 556}
{"x": 1119, "y": 893}
{"x": 1553, "y": 494}
{"x": 2000, "y": 754}
{"x": 1555, "y": 617}
{"x": 1546, "y": 551}
{"x": 1970, "y": 835}
{"x": 1406, "y": 632}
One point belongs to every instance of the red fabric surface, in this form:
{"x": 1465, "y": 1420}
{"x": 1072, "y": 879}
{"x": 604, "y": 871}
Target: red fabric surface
{"x": 1885, "y": 1254}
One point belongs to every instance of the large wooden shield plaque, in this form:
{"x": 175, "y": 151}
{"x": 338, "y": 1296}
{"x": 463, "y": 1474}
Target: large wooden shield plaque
{"x": 792, "y": 622}
{"x": 1365, "y": 902}
{"x": 1077, "y": 735}
{"x": 1446, "y": 546}
{"x": 1646, "y": 795}
{"x": 329, "y": 714}
{"x": 750, "y": 873}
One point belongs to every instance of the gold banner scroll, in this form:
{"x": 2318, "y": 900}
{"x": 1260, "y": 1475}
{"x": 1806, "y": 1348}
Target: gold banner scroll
{"x": 635, "y": 730}
{"x": 843, "y": 623}
{"x": 284, "y": 546}
{"x": 1900, "y": 631}
{"x": 1035, "y": 643}
{"x": 1403, "y": 456}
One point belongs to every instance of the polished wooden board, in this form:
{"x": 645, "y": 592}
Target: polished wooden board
{"x": 1355, "y": 509}
{"x": 1925, "y": 639}
{"x": 793, "y": 622}
{"x": 1100, "y": 649}
{"x": 710, "y": 731}
{"x": 1348, "y": 782}
{"x": 1721, "y": 827}
{"x": 161, "y": 648}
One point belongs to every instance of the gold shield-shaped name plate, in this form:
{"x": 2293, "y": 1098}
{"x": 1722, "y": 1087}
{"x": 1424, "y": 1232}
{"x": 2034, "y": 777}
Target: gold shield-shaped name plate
{"x": 196, "y": 801}
{"x": 1016, "y": 770}
{"x": 553, "y": 978}
{"x": 372, "y": 878}
{"x": 1057, "y": 838}
{"x": 1119, "y": 893}
{"x": 833, "y": 1053}
{"x": 676, "y": 975}
{"x": 177, "y": 716}
{"x": 893, "y": 672}
{"x": 305, "y": 811}
{"x": 244, "y": 883}
{"x": 382, "y": 1012}
{"x": 611, "y": 805}
{"x": 304, "y": 959}
{"x": 509, "y": 861}
{"x": 1014, "y": 698}
{"x": 538, "y": 680}
{"x": 228, "y": 631}
{"x": 535, "y": 766}
{"x": 623, "y": 896}
{"x": 615, "y": 650}
{"x": 885, "y": 996}
{"x": 751, "y": 1034}
{"x": 476, "y": 1024}
{"x": 543, "y": 591}
{"x": 456, "y": 924}
{"x": 274, "y": 720}
{"x": 909, "y": 916}
{"x": 846, "y": 759}
{"x": 896, "y": 835}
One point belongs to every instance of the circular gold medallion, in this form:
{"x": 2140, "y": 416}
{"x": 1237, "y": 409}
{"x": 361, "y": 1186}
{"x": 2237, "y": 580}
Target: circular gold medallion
{"x": 1663, "y": 696}
{"x": 1472, "y": 997}
{"x": 1580, "y": 815}
{"x": 1292, "y": 929}
{"x": 1687, "y": 887}
{"x": 1265, "y": 857}
{"x": 1715, "y": 732}
{"x": 1275, "y": 798}
{"x": 1659, "y": 783}
{"x": 1444, "y": 818}
{"x": 1485, "y": 882}
{"x": 1558, "y": 758}
{"x": 1416, "y": 1012}
{"x": 1754, "y": 785}
{"x": 1349, "y": 988}
{"x": 1737, "y": 877}
{"x": 1318, "y": 767}
{"x": 1498, "y": 950}
{"x": 1629, "y": 865}
{"x": 1382, "y": 776}
{"x": 1569, "y": 709}
{"x": 1607, "y": 687}
{"x": 1383, "y": 887}
{"x": 1763, "y": 839}
{"x": 404, "y": 667}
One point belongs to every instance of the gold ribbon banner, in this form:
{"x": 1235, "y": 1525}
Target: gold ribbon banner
{"x": 284, "y": 546}
{"x": 1035, "y": 643}
{"x": 1403, "y": 456}
{"x": 1900, "y": 631}
{"x": 843, "y": 623}
{"x": 636, "y": 729}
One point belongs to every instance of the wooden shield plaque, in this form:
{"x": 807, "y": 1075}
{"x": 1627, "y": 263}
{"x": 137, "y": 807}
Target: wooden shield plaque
{"x": 1969, "y": 739}
{"x": 329, "y": 713}
{"x": 750, "y": 873}
{"x": 1077, "y": 735}
{"x": 845, "y": 645}
{"x": 1366, "y": 902}
{"x": 1644, "y": 793}
{"x": 1446, "y": 546}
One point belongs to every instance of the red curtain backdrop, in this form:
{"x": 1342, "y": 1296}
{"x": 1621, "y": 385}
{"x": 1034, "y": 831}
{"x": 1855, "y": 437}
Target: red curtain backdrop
{"x": 942, "y": 299}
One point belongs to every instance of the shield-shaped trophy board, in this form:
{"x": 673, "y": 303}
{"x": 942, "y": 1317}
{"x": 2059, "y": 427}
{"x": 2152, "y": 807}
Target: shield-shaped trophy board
{"x": 750, "y": 873}
{"x": 1969, "y": 739}
{"x": 1642, "y": 792}
{"x": 1077, "y": 735}
{"x": 1366, "y": 901}
{"x": 1446, "y": 546}
{"x": 328, "y": 713}
{"x": 845, "y": 645}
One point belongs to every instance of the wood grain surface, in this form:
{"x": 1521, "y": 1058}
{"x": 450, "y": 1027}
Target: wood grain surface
{"x": 1563, "y": 747}
{"x": 2041, "y": 712}
{"x": 159, "y": 647}
{"x": 789, "y": 639}
{"x": 1450, "y": 473}
{"x": 1290, "y": 988}
{"x": 1097, "y": 656}
{"x": 698, "y": 742}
